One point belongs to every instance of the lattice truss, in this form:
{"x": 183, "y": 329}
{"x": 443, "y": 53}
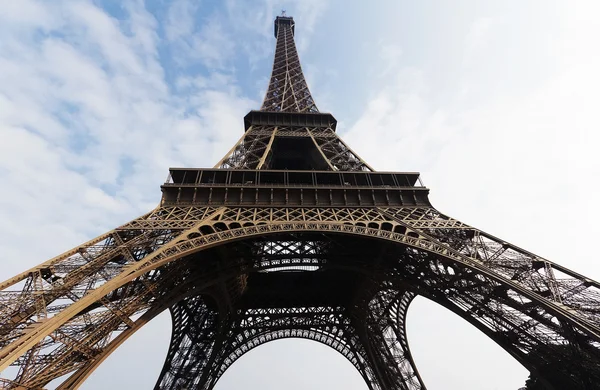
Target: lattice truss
{"x": 200, "y": 354}
{"x": 287, "y": 90}
{"x": 68, "y": 314}
{"x": 254, "y": 149}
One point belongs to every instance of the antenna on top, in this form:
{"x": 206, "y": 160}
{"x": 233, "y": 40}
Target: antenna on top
{"x": 283, "y": 12}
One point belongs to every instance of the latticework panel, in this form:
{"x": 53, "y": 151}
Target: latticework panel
{"x": 254, "y": 149}
{"x": 65, "y": 314}
{"x": 338, "y": 154}
{"x": 546, "y": 279}
{"x": 242, "y": 331}
{"x": 254, "y": 319}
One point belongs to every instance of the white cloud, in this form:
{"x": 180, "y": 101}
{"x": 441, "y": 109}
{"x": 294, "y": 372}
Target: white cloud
{"x": 208, "y": 42}
{"x": 478, "y": 36}
{"x": 180, "y": 19}
{"x": 213, "y": 44}
{"x": 25, "y": 14}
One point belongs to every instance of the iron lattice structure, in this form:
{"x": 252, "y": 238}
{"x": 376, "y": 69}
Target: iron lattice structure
{"x": 292, "y": 234}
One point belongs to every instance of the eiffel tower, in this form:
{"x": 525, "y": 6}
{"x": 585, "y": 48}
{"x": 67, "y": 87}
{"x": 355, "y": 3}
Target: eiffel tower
{"x": 292, "y": 234}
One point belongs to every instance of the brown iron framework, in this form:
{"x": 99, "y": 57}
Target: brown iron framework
{"x": 291, "y": 235}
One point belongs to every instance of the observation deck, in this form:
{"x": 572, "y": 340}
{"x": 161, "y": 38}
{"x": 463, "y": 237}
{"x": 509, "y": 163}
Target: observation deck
{"x": 238, "y": 187}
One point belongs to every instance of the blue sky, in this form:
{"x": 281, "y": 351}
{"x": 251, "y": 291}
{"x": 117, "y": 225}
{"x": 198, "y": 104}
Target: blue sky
{"x": 495, "y": 103}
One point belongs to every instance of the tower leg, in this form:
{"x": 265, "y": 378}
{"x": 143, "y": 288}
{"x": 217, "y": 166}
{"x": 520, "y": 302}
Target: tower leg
{"x": 383, "y": 333}
{"x": 196, "y": 327}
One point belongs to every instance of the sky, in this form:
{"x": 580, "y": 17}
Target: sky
{"x": 495, "y": 103}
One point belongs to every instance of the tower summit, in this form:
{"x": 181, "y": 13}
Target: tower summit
{"x": 292, "y": 234}
{"x": 284, "y": 20}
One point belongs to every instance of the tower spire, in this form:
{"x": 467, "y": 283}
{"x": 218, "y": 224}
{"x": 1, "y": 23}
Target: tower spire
{"x": 287, "y": 89}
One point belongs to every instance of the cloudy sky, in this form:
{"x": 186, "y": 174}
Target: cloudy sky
{"x": 494, "y": 102}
